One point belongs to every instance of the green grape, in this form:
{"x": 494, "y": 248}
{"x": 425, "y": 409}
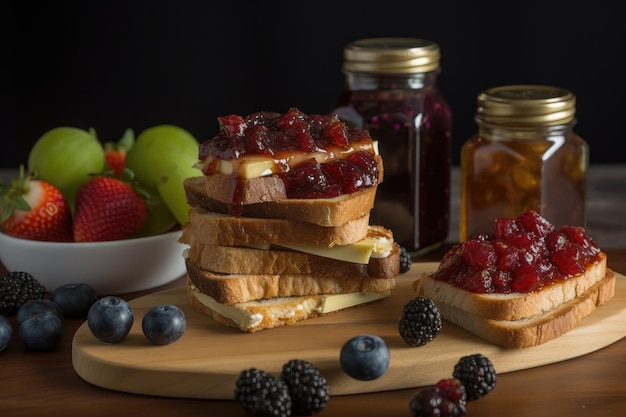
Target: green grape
{"x": 172, "y": 191}
{"x": 156, "y": 147}
{"x": 160, "y": 218}
{"x": 65, "y": 157}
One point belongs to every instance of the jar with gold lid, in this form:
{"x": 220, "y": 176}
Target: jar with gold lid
{"x": 391, "y": 90}
{"x": 525, "y": 156}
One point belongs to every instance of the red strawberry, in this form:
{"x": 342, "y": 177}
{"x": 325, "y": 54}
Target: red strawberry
{"x": 115, "y": 157}
{"x": 108, "y": 209}
{"x": 115, "y": 153}
{"x": 34, "y": 209}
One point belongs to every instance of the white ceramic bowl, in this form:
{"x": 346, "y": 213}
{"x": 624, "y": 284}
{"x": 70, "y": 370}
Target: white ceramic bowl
{"x": 116, "y": 267}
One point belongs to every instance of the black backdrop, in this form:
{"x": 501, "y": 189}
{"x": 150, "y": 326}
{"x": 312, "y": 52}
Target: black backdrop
{"x": 136, "y": 64}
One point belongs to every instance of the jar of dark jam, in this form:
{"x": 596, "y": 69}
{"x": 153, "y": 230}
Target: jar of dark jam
{"x": 391, "y": 90}
{"x": 525, "y": 156}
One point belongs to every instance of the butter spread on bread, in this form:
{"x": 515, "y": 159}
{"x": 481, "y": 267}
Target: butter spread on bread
{"x": 257, "y": 315}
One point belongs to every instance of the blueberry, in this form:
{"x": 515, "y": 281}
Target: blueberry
{"x": 110, "y": 319}
{"x": 75, "y": 300}
{"x": 164, "y": 324}
{"x": 30, "y": 308}
{"x": 6, "y": 331}
{"x": 364, "y": 357}
{"x": 41, "y": 331}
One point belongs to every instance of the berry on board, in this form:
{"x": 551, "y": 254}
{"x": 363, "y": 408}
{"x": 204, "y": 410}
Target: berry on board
{"x": 364, "y": 357}
{"x": 110, "y": 319}
{"x": 164, "y": 324}
{"x": 420, "y": 321}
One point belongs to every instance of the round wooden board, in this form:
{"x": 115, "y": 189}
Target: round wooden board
{"x": 207, "y": 360}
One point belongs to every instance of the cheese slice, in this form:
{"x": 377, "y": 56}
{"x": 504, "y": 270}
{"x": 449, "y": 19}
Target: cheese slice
{"x": 284, "y": 309}
{"x": 359, "y": 252}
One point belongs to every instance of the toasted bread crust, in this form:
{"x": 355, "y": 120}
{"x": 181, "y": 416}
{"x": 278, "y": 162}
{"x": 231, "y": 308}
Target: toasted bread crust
{"x": 237, "y": 288}
{"x": 538, "y": 329}
{"x": 238, "y": 260}
{"x": 220, "y": 229}
{"x": 513, "y": 306}
{"x": 324, "y": 212}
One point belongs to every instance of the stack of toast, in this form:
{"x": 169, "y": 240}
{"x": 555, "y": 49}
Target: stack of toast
{"x": 261, "y": 255}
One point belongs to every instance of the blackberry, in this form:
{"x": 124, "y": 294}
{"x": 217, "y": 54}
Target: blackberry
{"x": 307, "y": 386}
{"x": 17, "y": 288}
{"x": 262, "y": 394}
{"x": 405, "y": 260}
{"x": 420, "y": 321}
{"x": 446, "y": 399}
{"x": 477, "y": 374}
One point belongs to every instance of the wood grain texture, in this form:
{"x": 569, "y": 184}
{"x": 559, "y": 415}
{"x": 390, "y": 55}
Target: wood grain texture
{"x": 207, "y": 360}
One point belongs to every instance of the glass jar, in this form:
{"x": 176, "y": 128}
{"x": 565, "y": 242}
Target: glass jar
{"x": 524, "y": 156}
{"x": 391, "y": 90}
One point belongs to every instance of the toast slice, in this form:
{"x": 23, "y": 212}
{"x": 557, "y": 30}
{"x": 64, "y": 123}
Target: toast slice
{"x": 375, "y": 256}
{"x": 251, "y": 261}
{"x": 328, "y": 212}
{"x": 257, "y": 315}
{"x": 222, "y": 229}
{"x": 231, "y": 289}
{"x": 512, "y": 306}
{"x": 538, "y": 329}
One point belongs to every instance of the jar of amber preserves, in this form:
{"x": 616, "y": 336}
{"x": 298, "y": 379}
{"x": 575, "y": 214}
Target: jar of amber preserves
{"x": 391, "y": 90}
{"x": 525, "y": 156}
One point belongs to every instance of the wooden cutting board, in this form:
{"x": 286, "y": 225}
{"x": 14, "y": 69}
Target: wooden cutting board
{"x": 207, "y": 360}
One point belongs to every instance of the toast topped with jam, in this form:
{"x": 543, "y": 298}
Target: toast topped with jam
{"x": 522, "y": 285}
{"x": 279, "y": 227}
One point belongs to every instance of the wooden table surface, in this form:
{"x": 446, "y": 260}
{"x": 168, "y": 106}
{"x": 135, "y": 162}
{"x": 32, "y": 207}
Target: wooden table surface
{"x": 45, "y": 383}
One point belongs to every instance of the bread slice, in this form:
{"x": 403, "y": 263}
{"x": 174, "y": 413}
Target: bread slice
{"x": 237, "y": 288}
{"x": 222, "y": 229}
{"x": 274, "y": 312}
{"x": 512, "y": 306}
{"x": 375, "y": 256}
{"x": 538, "y": 329}
{"x": 221, "y": 187}
{"x": 324, "y": 212}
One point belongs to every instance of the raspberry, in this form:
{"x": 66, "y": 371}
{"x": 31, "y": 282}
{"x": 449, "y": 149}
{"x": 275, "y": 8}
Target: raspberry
{"x": 420, "y": 321}
{"x": 477, "y": 374}
{"x": 446, "y": 399}
{"x": 262, "y": 394}
{"x": 405, "y": 260}
{"x": 17, "y": 288}
{"x": 307, "y": 386}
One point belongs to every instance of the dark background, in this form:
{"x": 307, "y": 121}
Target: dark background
{"x": 136, "y": 64}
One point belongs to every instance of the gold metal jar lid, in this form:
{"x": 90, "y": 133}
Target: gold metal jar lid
{"x": 526, "y": 105}
{"x": 391, "y": 56}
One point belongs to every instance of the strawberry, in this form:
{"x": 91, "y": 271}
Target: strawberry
{"x": 108, "y": 209}
{"x": 115, "y": 157}
{"x": 34, "y": 209}
{"x": 115, "y": 153}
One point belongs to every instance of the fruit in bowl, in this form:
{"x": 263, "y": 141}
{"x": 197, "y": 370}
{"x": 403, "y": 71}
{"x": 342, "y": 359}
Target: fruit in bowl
{"x": 80, "y": 214}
